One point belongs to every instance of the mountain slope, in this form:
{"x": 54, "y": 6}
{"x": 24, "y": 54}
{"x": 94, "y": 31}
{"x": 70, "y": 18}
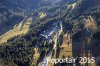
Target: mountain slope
{"x": 83, "y": 24}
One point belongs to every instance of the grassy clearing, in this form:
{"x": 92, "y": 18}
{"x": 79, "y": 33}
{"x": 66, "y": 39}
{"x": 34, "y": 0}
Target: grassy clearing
{"x": 72, "y": 5}
{"x": 65, "y": 51}
{"x": 65, "y": 48}
{"x": 36, "y": 56}
{"x": 42, "y": 15}
{"x": 91, "y": 24}
{"x": 17, "y": 30}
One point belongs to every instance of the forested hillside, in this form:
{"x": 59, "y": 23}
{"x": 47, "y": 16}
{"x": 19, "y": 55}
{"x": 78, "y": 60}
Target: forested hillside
{"x": 81, "y": 23}
{"x": 14, "y": 12}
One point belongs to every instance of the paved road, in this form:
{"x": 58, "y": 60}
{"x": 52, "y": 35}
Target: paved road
{"x": 46, "y": 60}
